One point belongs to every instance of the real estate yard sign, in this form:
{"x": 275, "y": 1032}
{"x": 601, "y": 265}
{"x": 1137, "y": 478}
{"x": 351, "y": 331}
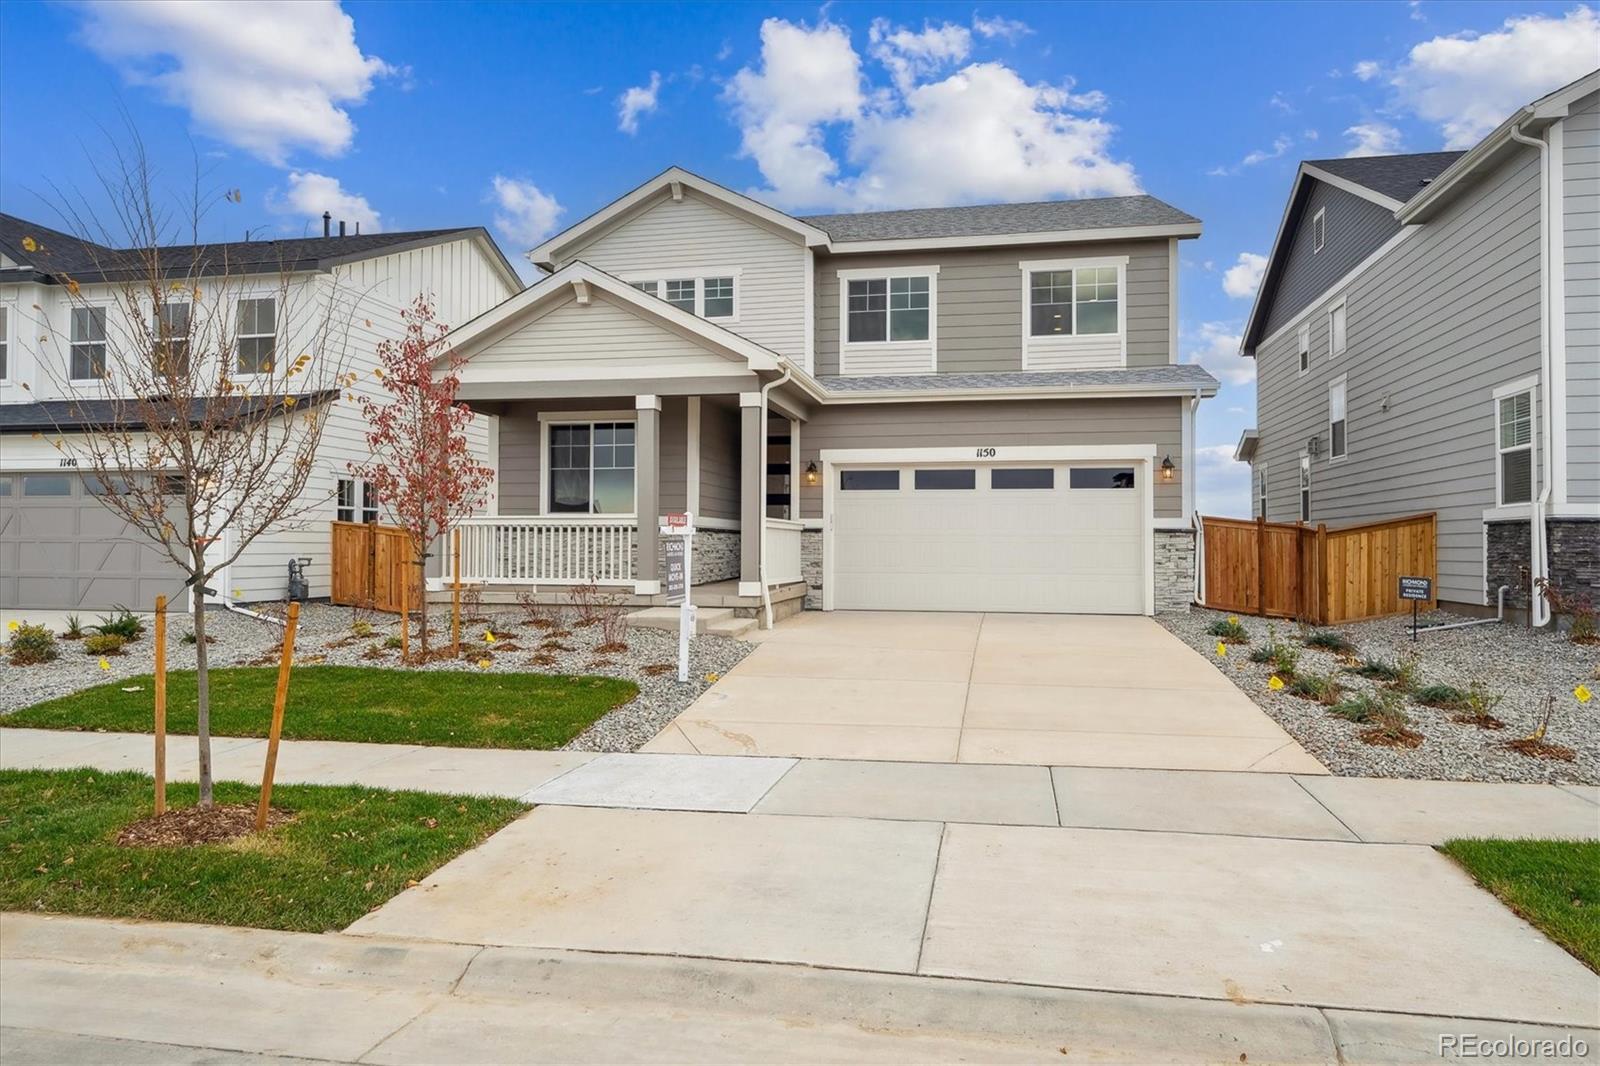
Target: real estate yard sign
{"x": 1417, "y": 590}
{"x": 678, "y": 528}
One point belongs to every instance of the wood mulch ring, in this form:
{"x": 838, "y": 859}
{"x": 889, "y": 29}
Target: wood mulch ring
{"x": 185, "y": 826}
{"x": 1389, "y": 737}
{"x": 1536, "y": 748}
{"x": 657, "y": 669}
{"x": 1482, "y": 721}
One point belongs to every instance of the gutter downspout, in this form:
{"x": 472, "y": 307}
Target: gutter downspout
{"x": 1538, "y": 608}
{"x": 761, "y": 533}
{"x": 1189, "y": 490}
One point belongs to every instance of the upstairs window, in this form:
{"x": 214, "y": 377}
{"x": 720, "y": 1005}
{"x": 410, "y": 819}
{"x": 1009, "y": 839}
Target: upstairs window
{"x": 170, "y": 332}
{"x": 1077, "y": 302}
{"x": 1337, "y": 442}
{"x": 718, "y": 295}
{"x": 679, "y": 293}
{"x": 1303, "y": 342}
{"x": 257, "y": 335}
{"x": 1050, "y": 303}
{"x": 888, "y": 309}
{"x": 1514, "y": 448}
{"x": 5, "y": 343}
{"x": 710, "y": 297}
{"x": 1336, "y": 330}
{"x": 88, "y": 347}
{"x": 1319, "y": 229}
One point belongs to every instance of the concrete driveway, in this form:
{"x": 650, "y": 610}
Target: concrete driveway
{"x": 1065, "y": 690}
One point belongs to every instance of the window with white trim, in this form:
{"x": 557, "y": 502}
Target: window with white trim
{"x": 1514, "y": 448}
{"x": 1079, "y": 301}
{"x": 1338, "y": 427}
{"x": 1305, "y": 487}
{"x": 257, "y": 338}
{"x": 1261, "y": 491}
{"x": 591, "y": 468}
{"x": 717, "y": 297}
{"x": 1303, "y": 343}
{"x": 1336, "y": 329}
{"x": 888, "y": 309}
{"x": 708, "y": 297}
{"x": 1319, "y": 229}
{"x": 169, "y": 328}
{"x": 5, "y": 343}
{"x": 355, "y": 500}
{"x": 87, "y": 356}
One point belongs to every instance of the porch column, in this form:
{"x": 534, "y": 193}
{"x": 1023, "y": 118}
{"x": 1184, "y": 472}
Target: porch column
{"x": 752, "y": 490}
{"x": 647, "y": 490}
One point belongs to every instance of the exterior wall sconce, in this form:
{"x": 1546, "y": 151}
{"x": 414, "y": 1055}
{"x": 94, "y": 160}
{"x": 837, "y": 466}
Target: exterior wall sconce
{"x": 1167, "y": 469}
{"x": 811, "y": 473}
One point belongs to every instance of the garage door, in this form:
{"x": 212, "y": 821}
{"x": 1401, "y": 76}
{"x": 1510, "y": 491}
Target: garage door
{"x": 1040, "y": 537}
{"x": 61, "y": 549}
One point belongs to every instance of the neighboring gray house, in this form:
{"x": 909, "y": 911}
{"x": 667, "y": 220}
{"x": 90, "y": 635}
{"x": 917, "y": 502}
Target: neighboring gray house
{"x": 1427, "y": 334}
{"x": 972, "y": 408}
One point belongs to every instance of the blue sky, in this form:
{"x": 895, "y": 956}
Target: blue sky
{"x": 525, "y": 118}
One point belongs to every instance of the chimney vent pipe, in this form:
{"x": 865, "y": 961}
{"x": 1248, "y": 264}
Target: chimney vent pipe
{"x": 341, "y": 227}
{"x": 327, "y": 223}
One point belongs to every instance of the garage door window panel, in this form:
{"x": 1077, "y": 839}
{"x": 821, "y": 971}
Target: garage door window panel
{"x": 1022, "y": 478}
{"x": 942, "y": 480}
{"x": 46, "y": 485}
{"x": 869, "y": 480}
{"x": 1096, "y": 477}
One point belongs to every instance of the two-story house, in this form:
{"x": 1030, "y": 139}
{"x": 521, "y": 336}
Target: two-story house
{"x": 62, "y": 305}
{"x": 968, "y": 409}
{"x": 1427, "y": 337}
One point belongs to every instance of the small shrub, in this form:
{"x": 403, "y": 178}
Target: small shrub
{"x": 30, "y": 644}
{"x": 1230, "y": 630}
{"x": 1330, "y": 640}
{"x": 1390, "y": 727}
{"x": 1445, "y": 697}
{"x": 1376, "y": 670}
{"x": 104, "y": 643}
{"x": 1408, "y": 675}
{"x": 1285, "y": 660}
{"x": 393, "y": 643}
{"x": 1362, "y": 708}
{"x": 1578, "y": 607}
{"x": 1477, "y": 707}
{"x": 361, "y": 628}
{"x": 74, "y": 630}
{"x": 188, "y": 638}
{"x": 1319, "y": 688}
{"x": 123, "y": 623}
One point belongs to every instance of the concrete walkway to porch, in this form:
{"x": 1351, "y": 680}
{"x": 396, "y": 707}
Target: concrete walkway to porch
{"x": 983, "y": 688}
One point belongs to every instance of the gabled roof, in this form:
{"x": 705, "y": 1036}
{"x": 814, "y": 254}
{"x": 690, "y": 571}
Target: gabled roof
{"x": 46, "y": 416}
{"x": 58, "y": 255}
{"x": 578, "y": 278}
{"x": 1397, "y": 178}
{"x": 1001, "y": 219}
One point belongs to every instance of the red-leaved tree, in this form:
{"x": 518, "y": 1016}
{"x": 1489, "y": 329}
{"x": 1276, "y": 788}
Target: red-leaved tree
{"x": 424, "y": 473}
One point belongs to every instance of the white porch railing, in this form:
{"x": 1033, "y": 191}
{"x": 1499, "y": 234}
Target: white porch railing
{"x": 545, "y": 549}
{"x": 783, "y": 551}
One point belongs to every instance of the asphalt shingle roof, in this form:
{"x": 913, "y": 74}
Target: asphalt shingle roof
{"x": 1399, "y": 177}
{"x": 1184, "y": 375}
{"x": 48, "y": 416}
{"x": 1000, "y": 219}
{"x": 63, "y": 254}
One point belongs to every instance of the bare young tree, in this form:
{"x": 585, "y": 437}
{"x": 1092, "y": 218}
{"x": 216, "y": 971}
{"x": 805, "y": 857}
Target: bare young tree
{"x": 191, "y": 378}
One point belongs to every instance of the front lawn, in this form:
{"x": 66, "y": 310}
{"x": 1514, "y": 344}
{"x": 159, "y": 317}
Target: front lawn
{"x": 1553, "y": 884}
{"x": 345, "y": 851}
{"x": 435, "y": 707}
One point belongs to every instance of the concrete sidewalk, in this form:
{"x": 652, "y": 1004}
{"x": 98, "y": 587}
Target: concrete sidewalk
{"x": 84, "y": 990}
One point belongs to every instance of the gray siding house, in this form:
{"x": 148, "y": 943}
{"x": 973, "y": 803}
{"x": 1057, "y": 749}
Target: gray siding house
{"x": 1427, "y": 334}
{"x": 974, "y": 408}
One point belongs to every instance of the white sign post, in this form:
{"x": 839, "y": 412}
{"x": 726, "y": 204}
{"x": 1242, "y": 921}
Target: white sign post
{"x": 679, "y": 531}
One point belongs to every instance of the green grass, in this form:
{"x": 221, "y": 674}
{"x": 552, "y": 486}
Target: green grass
{"x": 1554, "y": 884}
{"x": 433, "y": 707}
{"x": 346, "y": 851}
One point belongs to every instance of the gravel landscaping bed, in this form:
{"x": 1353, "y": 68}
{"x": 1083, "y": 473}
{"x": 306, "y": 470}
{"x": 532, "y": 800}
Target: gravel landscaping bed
{"x": 325, "y": 636}
{"x": 1512, "y": 661}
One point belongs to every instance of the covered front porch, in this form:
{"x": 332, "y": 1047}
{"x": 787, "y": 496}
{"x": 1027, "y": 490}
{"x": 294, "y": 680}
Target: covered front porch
{"x": 611, "y": 409}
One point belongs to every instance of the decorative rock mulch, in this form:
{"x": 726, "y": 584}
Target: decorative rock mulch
{"x": 1524, "y": 667}
{"x": 325, "y": 635}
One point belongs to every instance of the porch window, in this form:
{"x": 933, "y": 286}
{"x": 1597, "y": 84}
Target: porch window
{"x": 1514, "y": 447}
{"x": 591, "y": 468}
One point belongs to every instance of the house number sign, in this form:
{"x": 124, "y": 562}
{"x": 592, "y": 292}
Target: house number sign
{"x": 986, "y": 453}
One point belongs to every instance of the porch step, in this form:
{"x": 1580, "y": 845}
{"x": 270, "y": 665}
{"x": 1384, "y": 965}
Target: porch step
{"x": 733, "y": 628}
{"x": 705, "y": 619}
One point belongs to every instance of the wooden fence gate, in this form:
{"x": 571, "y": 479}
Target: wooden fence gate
{"x": 369, "y": 563}
{"x": 1318, "y": 575}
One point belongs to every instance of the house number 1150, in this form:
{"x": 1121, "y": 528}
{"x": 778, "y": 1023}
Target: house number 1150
{"x": 985, "y": 453}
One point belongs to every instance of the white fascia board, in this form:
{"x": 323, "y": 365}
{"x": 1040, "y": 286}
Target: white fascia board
{"x": 1003, "y": 454}
{"x": 542, "y": 255}
{"x": 1351, "y": 187}
{"x": 1248, "y": 442}
{"x": 1042, "y": 392}
{"x": 757, "y": 357}
{"x": 986, "y": 240}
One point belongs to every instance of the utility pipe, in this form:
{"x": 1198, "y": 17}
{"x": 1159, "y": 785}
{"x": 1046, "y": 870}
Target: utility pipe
{"x": 1538, "y": 607}
{"x": 1499, "y": 616}
{"x": 761, "y": 532}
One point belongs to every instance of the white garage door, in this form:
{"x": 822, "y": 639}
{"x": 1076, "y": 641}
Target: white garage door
{"x": 1027, "y": 537}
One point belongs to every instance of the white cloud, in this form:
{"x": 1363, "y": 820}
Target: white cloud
{"x": 1281, "y": 103}
{"x": 1372, "y": 138}
{"x": 911, "y": 57}
{"x": 1009, "y": 30}
{"x": 1241, "y": 280}
{"x": 1254, "y": 158}
{"x": 1468, "y": 84}
{"x": 1216, "y": 347}
{"x": 309, "y": 195}
{"x": 636, "y": 101}
{"x": 978, "y": 133}
{"x": 1367, "y": 69}
{"x": 267, "y": 77}
{"x": 522, "y": 212}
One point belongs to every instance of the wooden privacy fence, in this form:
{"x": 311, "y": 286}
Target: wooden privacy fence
{"x": 1315, "y": 574}
{"x": 369, "y": 564}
